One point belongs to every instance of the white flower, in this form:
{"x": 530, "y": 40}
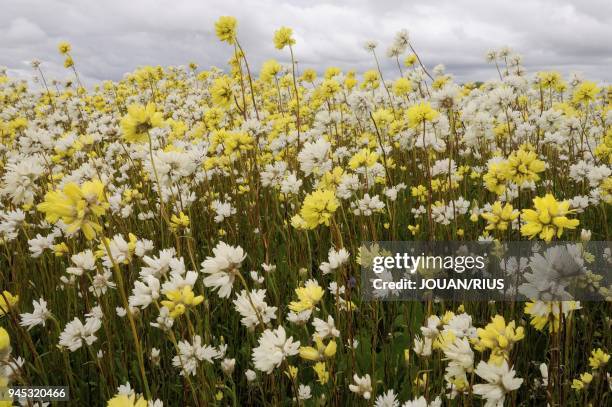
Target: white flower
{"x": 158, "y": 266}
{"x": 500, "y": 380}
{"x": 223, "y": 268}
{"x": 273, "y": 348}
{"x": 222, "y": 210}
{"x": 75, "y": 333}
{"x": 336, "y": 259}
{"x": 422, "y": 346}
{"x": 325, "y": 329}
{"x": 84, "y": 260}
{"x": 228, "y": 365}
{"x": 299, "y": 318}
{"x": 460, "y": 355}
{"x": 250, "y": 375}
{"x": 304, "y": 392}
{"x": 190, "y": 354}
{"x": 422, "y": 402}
{"x": 314, "y": 157}
{"x": 250, "y": 315}
{"x": 38, "y": 317}
{"x": 367, "y": 205}
{"x": 144, "y": 292}
{"x": 388, "y": 399}
{"x": 362, "y": 386}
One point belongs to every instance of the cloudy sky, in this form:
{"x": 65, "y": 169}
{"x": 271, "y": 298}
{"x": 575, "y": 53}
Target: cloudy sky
{"x": 112, "y": 37}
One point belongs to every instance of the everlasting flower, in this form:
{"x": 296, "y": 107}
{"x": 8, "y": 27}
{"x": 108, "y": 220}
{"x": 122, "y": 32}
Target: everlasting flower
{"x": 548, "y": 219}
{"x": 318, "y": 208}
{"x": 500, "y": 217}
{"x": 79, "y": 207}
{"x": 225, "y": 28}
{"x": 139, "y": 121}
{"x": 362, "y": 386}
{"x": 7, "y": 301}
{"x": 223, "y": 267}
{"x": 123, "y": 400}
{"x": 308, "y": 296}
{"x": 598, "y": 358}
{"x": 178, "y": 301}
{"x": 500, "y": 379}
{"x": 274, "y": 347}
{"x": 421, "y": 113}
{"x": 283, "y": 37}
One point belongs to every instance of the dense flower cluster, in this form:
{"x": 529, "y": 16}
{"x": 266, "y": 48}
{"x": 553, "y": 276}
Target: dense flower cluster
{"x": 196, "y": 233}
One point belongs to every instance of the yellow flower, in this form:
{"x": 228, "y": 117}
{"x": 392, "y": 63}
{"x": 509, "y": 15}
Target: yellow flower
{"x": 543, "y": 312}
{"x": 5, "y": 340}
{"x": 363, "y": 158}
{"x": 221, "y": 92}
{"x": 500, "y": 217}
{"x": 7, "y": 301}
{"x": 68, "y": 62}
{"x": 292, "y": 372}
{"x": 598, "y": 358}
{"x": 178, "y": 301}
{"x": 585, "y": 379}
{"x": 499, "y": 338}
{"x": 421, "y": 113}
{"x": 64, "y": 47}
{"x": 78, "y": 207}
{"x": 318, "y": 208}
{"x": 180, "y": 221}
{"x": 321, "y": 352}
{"x": 139, "y": 120}
{"x": 322, "y": 373}
{"x": 127, "y": 401}
{"x": 548, "y": 219}
{"x": 495, "y": 179}
{"x": 414, "y": 229}
{"x": 524, "y": 166}
{"x": 402, "y": 86}
{"x": 308, "y": 296}
{"x": 586, "y": 92}
{"x": 225, "y": 28}
{"x": 282, "y": 38}
{"x": 410, "y": 60}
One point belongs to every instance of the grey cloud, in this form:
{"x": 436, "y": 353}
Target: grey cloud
{"x": 113, "y": 37}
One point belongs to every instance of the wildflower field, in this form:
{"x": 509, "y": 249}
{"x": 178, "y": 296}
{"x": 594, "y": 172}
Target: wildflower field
{"x": 191, "y": 237}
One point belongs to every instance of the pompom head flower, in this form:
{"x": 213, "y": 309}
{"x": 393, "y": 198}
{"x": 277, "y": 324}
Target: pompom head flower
{"x": 139, "y": 120}
{"x": 283, "y": 37}
{"x": 225, "y": 28}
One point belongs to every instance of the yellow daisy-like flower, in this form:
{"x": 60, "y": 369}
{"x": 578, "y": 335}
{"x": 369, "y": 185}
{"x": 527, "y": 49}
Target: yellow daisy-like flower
{"x": 7, "y": 301}
{"x": 123, "y": 400}
{"x": 225, "y": 28}
{"x": 598, "y": 358}
{"x": 5, "y": 340}
{"x": 586, "y": 92}
{"x": 308, "y": 297}
{"x": 78, "y": 207}
{"x": 363, "y": 157}
{"x": 283, "y": 37}
{"x": 495, "y": 179}
{"x": 64, "y": 47}
{"x": 500, "y": 216}
{"x": 524, "y": 166}
{"x": 139, "y": 120}
{"x": 179, "y": 222}
{"x": 548, "y": 219}
{"x": 318, "y": 208}
{"x": 178, "y": 301}
{"x": 221, "y": 92}
{"x": 499, "y": 338}
{"x": 321, "y": 351}
{"x": 421, "y": 113}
